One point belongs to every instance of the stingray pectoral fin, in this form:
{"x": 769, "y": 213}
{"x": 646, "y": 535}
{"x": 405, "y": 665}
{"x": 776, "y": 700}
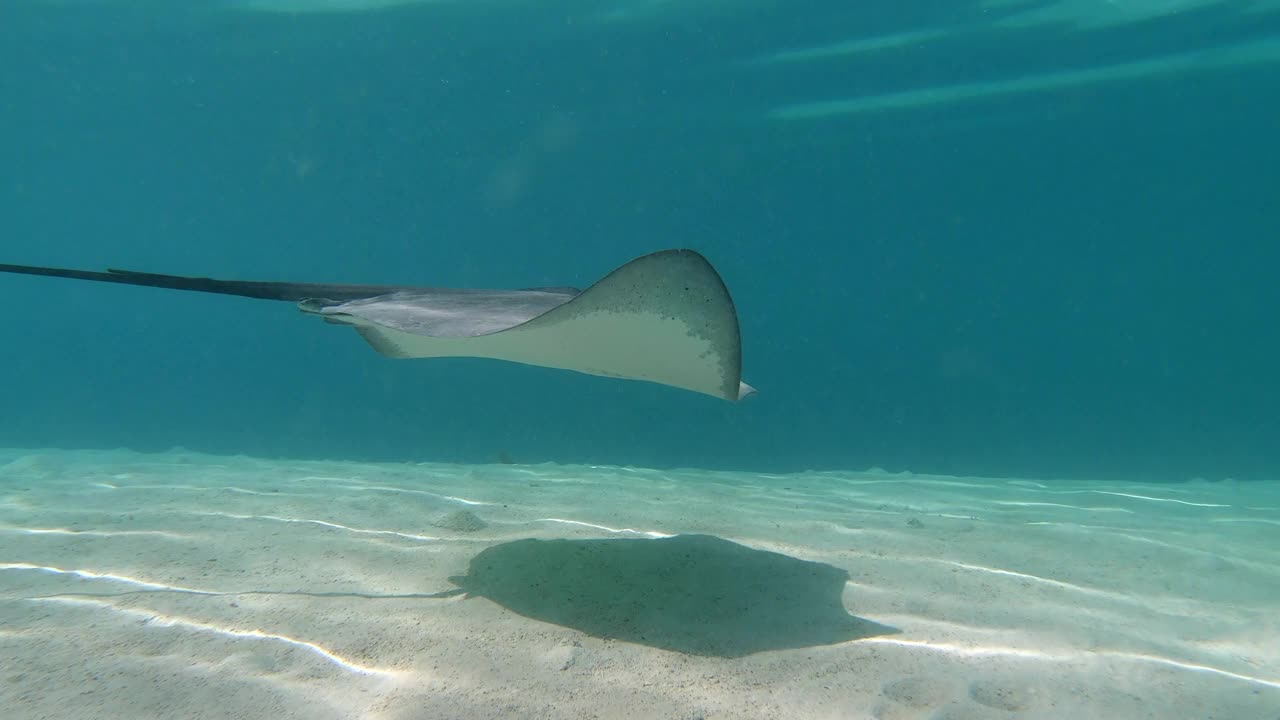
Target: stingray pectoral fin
{"x": 665, "y": 318}
{"x": 382, "y": 342}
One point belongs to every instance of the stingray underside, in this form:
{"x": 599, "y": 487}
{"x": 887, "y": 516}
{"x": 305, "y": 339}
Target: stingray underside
{"x": 665, "y": 318}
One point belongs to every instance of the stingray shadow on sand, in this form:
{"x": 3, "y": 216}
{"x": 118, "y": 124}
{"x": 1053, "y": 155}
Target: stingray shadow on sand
{"x": 694, "y": 594}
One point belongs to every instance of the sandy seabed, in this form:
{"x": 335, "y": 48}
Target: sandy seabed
{"x": 181, "y": 585}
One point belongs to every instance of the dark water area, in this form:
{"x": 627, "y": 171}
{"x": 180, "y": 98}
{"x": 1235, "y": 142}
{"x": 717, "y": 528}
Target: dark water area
{"x": 962, "y": 238}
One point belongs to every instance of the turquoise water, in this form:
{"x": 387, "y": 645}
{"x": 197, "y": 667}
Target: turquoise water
{"x": 992, "y": 237}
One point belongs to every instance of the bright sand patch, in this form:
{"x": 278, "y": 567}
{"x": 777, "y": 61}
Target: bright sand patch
{"x": 190, "y": 586}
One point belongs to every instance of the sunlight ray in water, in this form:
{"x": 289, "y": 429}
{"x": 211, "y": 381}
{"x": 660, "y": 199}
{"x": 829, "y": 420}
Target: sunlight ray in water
{"x": 322, "y": 523}
{"x": 1260, "y": 52}
{"x": 168, "y": 534}
{"x": 981, "y": 651}
{"x": 616, "y": 531}
{"x": 109, "y": 577}
{"x": 410, "y": 491}
{"x": 160, "y": 620}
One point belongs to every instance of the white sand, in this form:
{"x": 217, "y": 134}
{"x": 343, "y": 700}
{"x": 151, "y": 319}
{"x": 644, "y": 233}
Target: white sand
{"x": 124, "y": 579}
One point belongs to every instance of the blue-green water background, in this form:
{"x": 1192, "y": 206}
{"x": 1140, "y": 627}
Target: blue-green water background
{"x": 1080, "y": 280}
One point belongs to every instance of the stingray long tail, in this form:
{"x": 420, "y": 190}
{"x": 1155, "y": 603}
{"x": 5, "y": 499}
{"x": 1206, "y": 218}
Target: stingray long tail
{"x": 288, "y": 291}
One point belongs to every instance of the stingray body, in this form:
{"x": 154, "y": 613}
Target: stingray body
{"x": 666, "y": 317}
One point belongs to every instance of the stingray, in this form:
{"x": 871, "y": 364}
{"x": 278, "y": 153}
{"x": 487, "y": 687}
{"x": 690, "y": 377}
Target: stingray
{"x": 666, "y": 317}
